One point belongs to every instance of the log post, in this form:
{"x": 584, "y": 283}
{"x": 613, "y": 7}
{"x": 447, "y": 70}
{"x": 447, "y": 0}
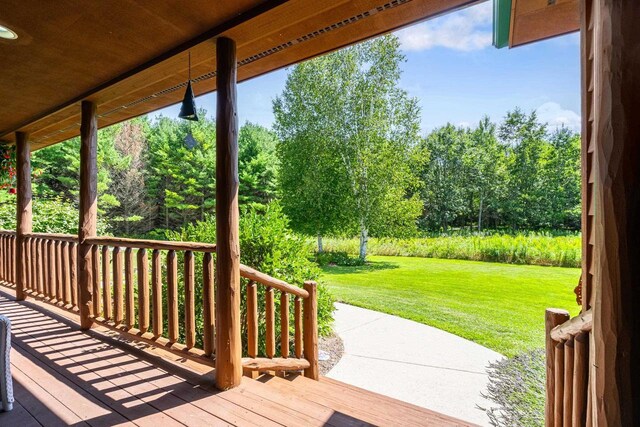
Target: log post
{"x": 24, "y": 211}
{"x": 228, "y": 345}
{"x": 88, "y": 210}
{"x": 553, "y": 317}
{"x": 616, "y": 322}
{"x": 311, "y": 330}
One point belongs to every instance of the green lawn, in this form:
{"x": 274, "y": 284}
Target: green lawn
{"x": 500, "y": 306}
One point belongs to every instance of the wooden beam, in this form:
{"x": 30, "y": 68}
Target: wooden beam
{"x": 228, "y": 345}
{"x": 616, "y": 322}
{"x": 88, "y": 209}
{"x": 24, "y": 211}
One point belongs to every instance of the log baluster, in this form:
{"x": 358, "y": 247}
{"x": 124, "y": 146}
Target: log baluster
{"x": 580, "y": 378}
{"x": 34, "y": 265}
{"x": 73, "y": 276}
{"x": 284, "y": 324}
{"x": 208, "y": 304}
{"x": 118, "y": 294}
{"x": 252, "y": 319}
{"x": 51, "y": 271}
{"x": 297, "y": 343}
{"x": 172, "y": 291}
{"x": 553, "y": 318}
{"x": 59, "y": 274}
{"x": 189, "y": 300}
{"x": 156, "y": 288}
{"x": 567, "y": 400}
{"x": 558, "y": 415}
{"x": 128, "y": 284}
{"x": 270, "y": 323}
{"x": 143, "y": 290}
{"x": 106, "y": 283}
{"x": 95, "y": 281}
{"x": 66, "y": 274}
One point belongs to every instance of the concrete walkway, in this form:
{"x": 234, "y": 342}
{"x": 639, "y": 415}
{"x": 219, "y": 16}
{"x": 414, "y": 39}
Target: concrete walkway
{"x": 412, "y": 362}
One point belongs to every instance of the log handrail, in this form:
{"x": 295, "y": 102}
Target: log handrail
{"x": 268, "y": 281}
{"x": 151, "y": 244}
{"x": 72, "y": 238}
{"x": 572, "y": 327}
{"x": 8, "y": 232}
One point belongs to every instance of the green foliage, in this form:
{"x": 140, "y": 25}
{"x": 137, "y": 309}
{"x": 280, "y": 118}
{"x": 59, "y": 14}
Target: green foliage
{"x": 257, "y": 164}
{"x": 268, "y": 245}
{"x": 349, "y": 140}
{"x": 337, "y": 258}
{"x": 516, "y": 175}
{"x": 49, "y": 215}
{"x": 500, "y": 306}
{"x": 519, "y": 248}
{"x": 517, "y": 386}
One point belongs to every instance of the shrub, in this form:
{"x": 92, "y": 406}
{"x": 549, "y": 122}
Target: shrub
{"x": 516, "y": 385}
{"x": 49, "y": 215}
{"x": 338, "y": 258}
{"x": 268, "y": 245}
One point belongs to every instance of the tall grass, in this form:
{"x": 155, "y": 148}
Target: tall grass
{"x": 521, "y": 248}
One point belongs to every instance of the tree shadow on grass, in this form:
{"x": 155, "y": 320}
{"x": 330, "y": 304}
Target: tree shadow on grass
{"x": 370, "y": 266}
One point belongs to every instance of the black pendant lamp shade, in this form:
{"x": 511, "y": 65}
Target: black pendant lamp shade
{"x": 188, "y": 107}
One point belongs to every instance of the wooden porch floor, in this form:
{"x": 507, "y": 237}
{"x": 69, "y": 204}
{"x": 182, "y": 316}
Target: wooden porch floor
{"x": 63, "y": 376}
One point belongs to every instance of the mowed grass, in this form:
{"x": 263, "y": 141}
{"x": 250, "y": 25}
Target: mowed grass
{"x": 500, "y": 306}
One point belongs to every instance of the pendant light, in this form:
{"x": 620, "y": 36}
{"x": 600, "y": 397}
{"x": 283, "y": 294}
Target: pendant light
{"x": 188, "y": 108}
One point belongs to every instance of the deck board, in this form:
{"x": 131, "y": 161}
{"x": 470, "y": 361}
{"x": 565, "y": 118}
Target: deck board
{"x": 63, "y": 376}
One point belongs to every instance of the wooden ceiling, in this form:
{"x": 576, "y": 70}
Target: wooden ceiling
{"x": 130, "y": 56}
{"x": 533, "y": 20}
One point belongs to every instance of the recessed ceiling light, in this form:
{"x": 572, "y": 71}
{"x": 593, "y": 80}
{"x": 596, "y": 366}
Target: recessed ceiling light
{"x": 6, "y": 33}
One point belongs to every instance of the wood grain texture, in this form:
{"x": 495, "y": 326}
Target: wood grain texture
{"x": 616, "y": 323}
{"x": 23, "y": 210}
{"x": 88, "y": 208}
{"x": 311, "y": 330}
{"x": 264, "y": 364}
{"x": 208, "y": 301}
{"x": 106, "y": 283}
{"x": 567, "y": 400}
{"x": 228, "y": 339}
{"x": 172, "y": 295}
{"x": 583, "y": 322}
{"x": 297, "y": 320}
{"x": 284, "y": 324}
{"x": 580, "y": 379}
{"x": 252, "y": 319}
{"x": 143, "y": 290}
{"x": 553, "y": 318}
{"x": 270, "y": 321}
{"x": 156, "y": 289}
{"x": 189, "y": 300}
{"x": 129, "y": 298}
{"x": 558, "y": 400}
{"x": 118, "y": 291}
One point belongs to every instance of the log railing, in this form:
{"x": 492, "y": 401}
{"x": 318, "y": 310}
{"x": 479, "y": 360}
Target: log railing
{"x": 147, "y": 290}
{"x": 568, "y": 399}
{"x": 7, "y": 255}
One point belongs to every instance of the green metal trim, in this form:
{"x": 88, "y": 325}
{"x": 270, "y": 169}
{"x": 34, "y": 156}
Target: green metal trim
{"x": 501, "y": 23}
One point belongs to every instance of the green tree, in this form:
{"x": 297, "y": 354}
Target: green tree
{"x": 257, "y": 164}
{"x": 351, "y": 133}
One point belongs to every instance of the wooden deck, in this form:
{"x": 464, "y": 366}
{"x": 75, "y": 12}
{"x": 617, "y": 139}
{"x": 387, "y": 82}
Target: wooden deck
{"x": 63, "y": 376}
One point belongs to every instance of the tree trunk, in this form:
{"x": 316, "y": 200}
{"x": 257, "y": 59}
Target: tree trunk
{"x": 364, "y": 239}
{"x": 480, "y": 215}
{"x": 320, "y": 248}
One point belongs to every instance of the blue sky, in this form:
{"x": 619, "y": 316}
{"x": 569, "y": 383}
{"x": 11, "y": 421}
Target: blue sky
{"x": 458, "y": 76}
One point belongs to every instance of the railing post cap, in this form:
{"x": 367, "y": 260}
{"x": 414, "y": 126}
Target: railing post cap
{"x": 310, "y": 284}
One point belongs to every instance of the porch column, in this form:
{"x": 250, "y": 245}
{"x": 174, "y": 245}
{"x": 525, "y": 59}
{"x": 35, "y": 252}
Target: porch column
{"x": 616, "y": 320}
{"x": 88, "y": 209}
{"x": 24, "y": 211}
{"x": 228, "y": 345}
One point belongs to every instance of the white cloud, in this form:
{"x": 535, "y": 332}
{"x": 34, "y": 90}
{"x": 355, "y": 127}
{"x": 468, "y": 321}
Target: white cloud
{"x": 465, "y": 30}
{"x": 556, "y": 116}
